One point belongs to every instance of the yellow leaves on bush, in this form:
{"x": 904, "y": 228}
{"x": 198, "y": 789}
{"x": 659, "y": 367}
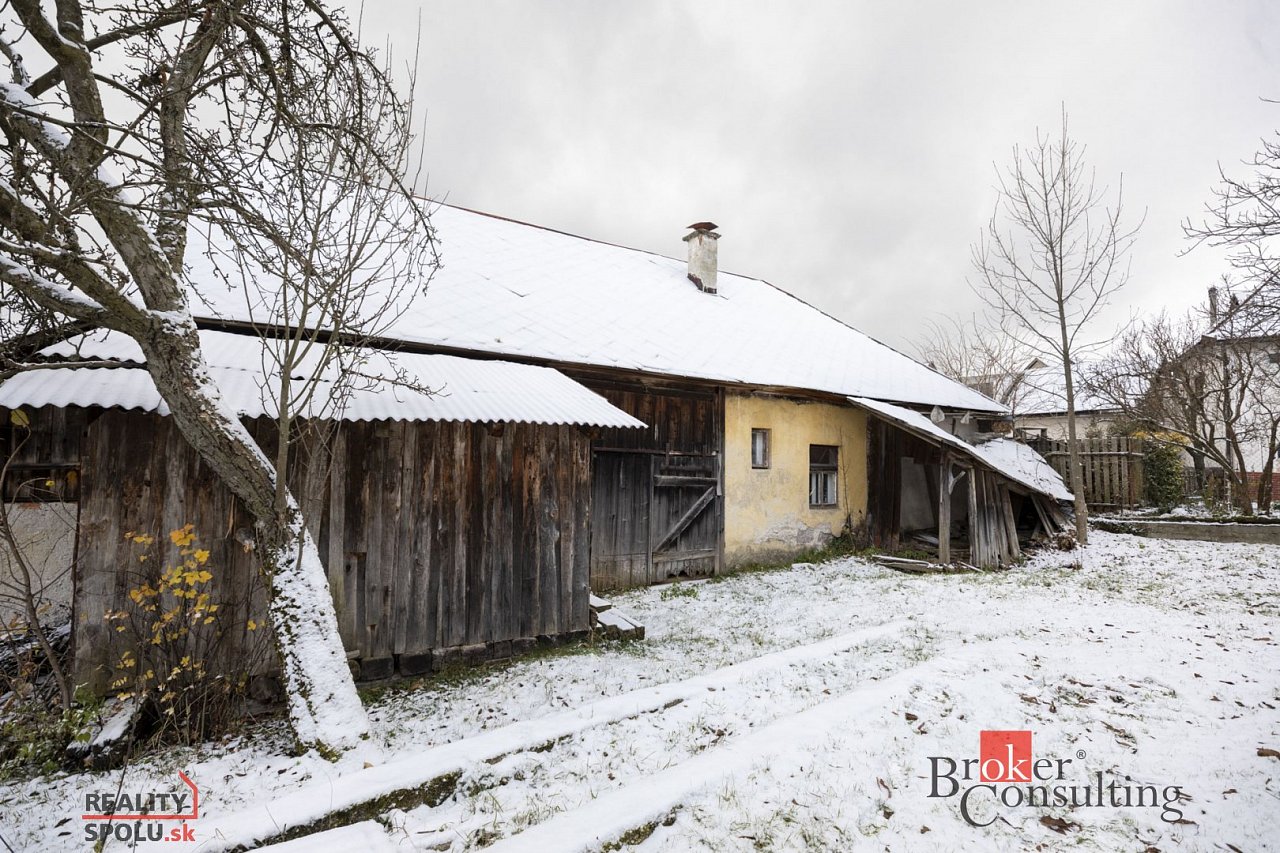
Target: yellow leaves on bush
{"x": 184, "y": 536}
{"x": 141, "y": 593}
{"x": 170, "y": 620}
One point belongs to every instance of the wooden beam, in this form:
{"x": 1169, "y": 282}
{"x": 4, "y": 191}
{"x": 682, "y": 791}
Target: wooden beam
{"x": 976, "y": 555}
{"x": 1049, "y": 527}
{"x": 1010, "y": 523}
{"x": 944, "y": 509}
{"x": 672, "y": 481}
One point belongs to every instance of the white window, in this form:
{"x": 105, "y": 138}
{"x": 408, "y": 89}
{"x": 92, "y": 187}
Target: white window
{"x": 759, "y": 448}
{"x": 824, "y": 465}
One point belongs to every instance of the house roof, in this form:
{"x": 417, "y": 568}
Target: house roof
{"x": 1043, "y": 391}
{"x": 460, "y": 389}
{"x": 530, "y": 293}
{"x": 1012, "y": 459}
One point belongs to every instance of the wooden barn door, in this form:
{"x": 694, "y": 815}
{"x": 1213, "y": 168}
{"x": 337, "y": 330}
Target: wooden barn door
{"x": 656, "y": 506}
{"x": 684, "y": 519}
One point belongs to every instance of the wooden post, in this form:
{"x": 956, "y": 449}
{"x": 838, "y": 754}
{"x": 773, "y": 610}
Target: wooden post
{"x": 976, "y": 551}
{"x": 1010, "y": 523}
{"x": 944, "y": 509}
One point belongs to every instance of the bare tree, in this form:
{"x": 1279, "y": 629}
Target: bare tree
{"x": 1179, "y": 385}
{"x": 1053, "y": 253}
{"x": 135, "y": 123}
{"x": 982, "y": 356}
{"x": 1244, "y": 218}
{"x": 325, "y": 282}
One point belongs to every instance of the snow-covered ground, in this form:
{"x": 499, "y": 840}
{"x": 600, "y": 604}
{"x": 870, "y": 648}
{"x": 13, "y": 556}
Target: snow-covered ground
{"x": 800, "y": 709}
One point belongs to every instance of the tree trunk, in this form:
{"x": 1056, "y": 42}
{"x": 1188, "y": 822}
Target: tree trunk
{"x": 1197, "y": 465}
{"x": 1265, "y": 490}
{"x": 1077, "y": 476}
{"x": 324, "y": 708}
{"x": 1240, "y": 474}
{"x": 1073, "y": 447}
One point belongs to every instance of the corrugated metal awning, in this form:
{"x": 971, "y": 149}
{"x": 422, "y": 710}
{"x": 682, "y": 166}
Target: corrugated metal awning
{"x": 394, "y": 386}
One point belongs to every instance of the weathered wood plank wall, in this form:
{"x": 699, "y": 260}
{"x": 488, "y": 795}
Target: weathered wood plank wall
{"x": 140, "y": 477}
{"x": 44, "y": 455}
{"x": 442, "y": 541}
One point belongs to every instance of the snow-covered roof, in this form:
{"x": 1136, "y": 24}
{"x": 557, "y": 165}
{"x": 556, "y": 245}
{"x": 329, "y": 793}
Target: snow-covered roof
{"x": 1024, "y": 465}
{"x": 1012, "y": 459}
{"x": 461, "y": 389}
{"x": 518, "y": 290}
{"x": 1043, "y": 391}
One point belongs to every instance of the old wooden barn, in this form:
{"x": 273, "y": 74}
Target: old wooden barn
{"x": 752, "y": 451}
{"x": 454, "y": 527}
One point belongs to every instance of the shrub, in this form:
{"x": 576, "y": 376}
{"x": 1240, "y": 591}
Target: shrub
{"x": 34, "y": 734}
{"x": 175, "y": 663}
{"x": 1162, "y": 473}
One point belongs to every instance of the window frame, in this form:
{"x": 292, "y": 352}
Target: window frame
{"x": 768, "y": 448}
{"x": 828, "y": 486}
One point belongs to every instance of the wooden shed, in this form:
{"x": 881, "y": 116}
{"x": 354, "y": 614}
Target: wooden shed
{"x": 454, "y": 527}
{"x": 972, "y": 501}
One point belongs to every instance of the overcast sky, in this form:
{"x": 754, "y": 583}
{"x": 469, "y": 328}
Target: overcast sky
{"x": 845, "y": 149}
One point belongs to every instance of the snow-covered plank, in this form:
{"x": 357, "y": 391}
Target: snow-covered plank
{"x": 615, "y": 624}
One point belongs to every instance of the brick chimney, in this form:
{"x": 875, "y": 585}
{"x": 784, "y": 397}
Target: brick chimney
{"x": 702, "y": 255}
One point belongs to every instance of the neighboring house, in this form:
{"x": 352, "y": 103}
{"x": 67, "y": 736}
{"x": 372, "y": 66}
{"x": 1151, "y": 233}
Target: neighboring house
{"x": 1245, "y": 349}
{"x": 607, "y": 415}
{"x": 1039, "y": 406}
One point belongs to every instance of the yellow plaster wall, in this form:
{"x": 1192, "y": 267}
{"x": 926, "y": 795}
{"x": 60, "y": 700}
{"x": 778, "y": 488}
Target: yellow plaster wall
{"x": 767, "y": 512}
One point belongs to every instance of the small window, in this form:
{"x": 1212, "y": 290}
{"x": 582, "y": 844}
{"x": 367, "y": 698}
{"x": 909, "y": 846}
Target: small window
{"x": 824, "y": 465}
{"x": 759, "y": 448}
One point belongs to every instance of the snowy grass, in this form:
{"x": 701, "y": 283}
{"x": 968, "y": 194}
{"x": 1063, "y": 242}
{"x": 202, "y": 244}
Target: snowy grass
{"x": 1157, "y": 659}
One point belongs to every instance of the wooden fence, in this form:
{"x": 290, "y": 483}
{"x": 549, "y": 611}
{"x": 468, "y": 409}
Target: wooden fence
{"x": 1112, "y": 469}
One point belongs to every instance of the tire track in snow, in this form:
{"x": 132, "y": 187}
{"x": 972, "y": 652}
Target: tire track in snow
{"x": 293, "y": 812}
{"x": 653, "y": 798}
